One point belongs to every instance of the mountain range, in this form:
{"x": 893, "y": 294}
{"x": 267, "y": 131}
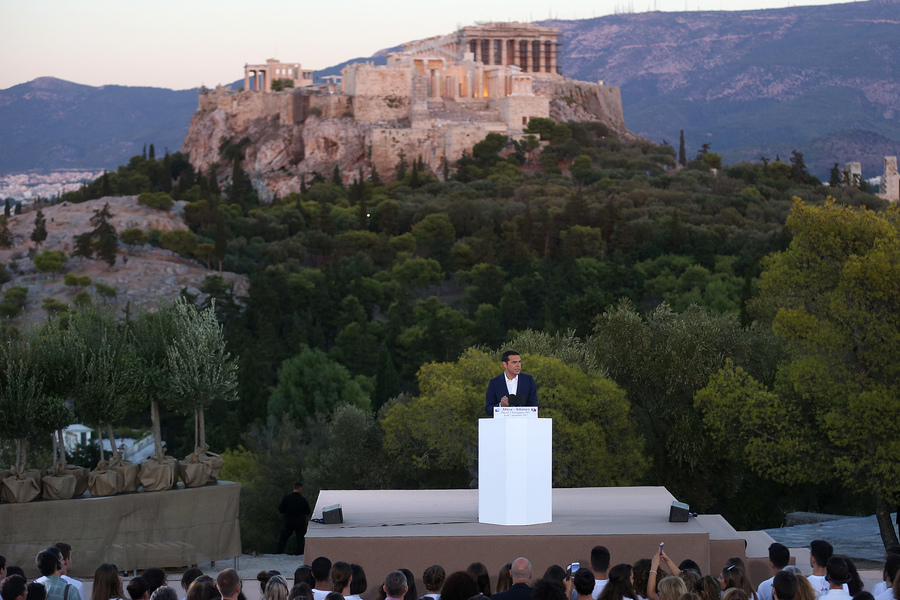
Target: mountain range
{"x": 822, "y": 80}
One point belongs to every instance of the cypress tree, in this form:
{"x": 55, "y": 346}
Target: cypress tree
{"x": 6, "y": 236}
{"x": 39, "y": 234}
{"x": 682, "y": 156}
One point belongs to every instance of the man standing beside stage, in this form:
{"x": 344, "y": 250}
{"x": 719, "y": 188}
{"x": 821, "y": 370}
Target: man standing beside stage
{"x": 296, "y": 510}
{"x": 511, "y": 383}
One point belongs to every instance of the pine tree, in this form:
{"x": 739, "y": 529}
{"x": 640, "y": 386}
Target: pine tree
{"x": 835, "y": 176}
{"x": 39, "y": 234}
{"x": 104, "y": 237}
{"x": 336, "y": 177}
{"x": 682, "y": 156}
{"x": 6, "y": 236}
{"x": 798, "y": 167}
{"x": 152, "y": 155}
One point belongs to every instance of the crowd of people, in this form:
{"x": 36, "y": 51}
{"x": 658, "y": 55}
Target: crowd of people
{"x": 657, "y": 578}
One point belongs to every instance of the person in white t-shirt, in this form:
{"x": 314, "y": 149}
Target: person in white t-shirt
{"x": 779, "y": 557}
{"x": 784, "y": 585}
{"x": 885, "y": 589}
{"x": 433, "y": 578}
{"x": 837, "y": 574}
{"x": 321, "y": 570}
{"x": 819, "y": 553}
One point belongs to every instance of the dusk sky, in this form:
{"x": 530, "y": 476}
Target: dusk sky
{"x": 182, "y": 44}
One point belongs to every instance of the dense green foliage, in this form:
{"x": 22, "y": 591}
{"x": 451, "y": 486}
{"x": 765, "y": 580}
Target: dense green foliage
{"x": 625, "y": 282}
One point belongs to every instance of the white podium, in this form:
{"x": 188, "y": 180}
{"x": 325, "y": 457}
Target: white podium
{"x": 514, "y": 471}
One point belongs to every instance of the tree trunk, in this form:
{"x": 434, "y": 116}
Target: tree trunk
{"x": 53, "y": 449}
{"x": 885, "y": 526}
{"x": 20, "y": 442}
{"x": 62, "y": 447}
{"x": 100, "y": 441}
{"x": 157, "y": 434}
{"x": 202, "y": 443}
{"x": 196, "y": 427}
{"x": 112, "y": 440}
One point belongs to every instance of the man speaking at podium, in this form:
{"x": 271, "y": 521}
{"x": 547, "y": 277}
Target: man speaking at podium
{"x": 510, "y": 388}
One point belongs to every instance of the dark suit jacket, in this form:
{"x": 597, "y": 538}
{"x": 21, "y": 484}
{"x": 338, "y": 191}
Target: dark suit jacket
{"x": 519, "y": 591}
{"x": 496, "y": 389}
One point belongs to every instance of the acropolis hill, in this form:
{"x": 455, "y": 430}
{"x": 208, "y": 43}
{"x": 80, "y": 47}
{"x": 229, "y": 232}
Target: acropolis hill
{"x": 435, "y": 99}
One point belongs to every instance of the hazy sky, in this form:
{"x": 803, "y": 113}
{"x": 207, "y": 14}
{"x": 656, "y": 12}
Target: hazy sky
{"x": 182, "y": 44}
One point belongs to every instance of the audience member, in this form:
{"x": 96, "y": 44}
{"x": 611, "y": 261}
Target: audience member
{"x": 888, "y": 574}
{"x": 433, "y": 579}
{"x": 65, "y": 552}
{"x": 411, "y": 592}
{"x": 691, "y": 578}
{"x": 735, "y": 594}
{"x": 459, "y": 586}
{"x": 837, "y": 574}
{"x": 671, "y": 587}
{"x": 660, "y": 557}
{"x": 855, "y": 584}
{"x": 276, "y": 588}
{"x": 819, "y": 553}
{"x": 359, "y": 584}
{"x": 641, "y": 571}
{"x": 619, "y": 585}
{"x": 547, "y": 589}
{"x": 36, "y": 591}
{"x": 164, "y": 593}
{"x": 555, "y": 573}
{"x": 188, "y": 578}
{"x": 303, "y": 574}
{"x": 784, "y": 585}
{"x": 107, "y": 583}
{"x": 521, "y": 573}
{"x": 582, "y": 583}
{"x": 334, "y": 596}
{"x": 863, "y": 595}
{"x": 263, "y": 578}
{"x": 203, "y": 588}
{"x": 2, "y": 567}
{"x": 733, "y": 576}
{"x": 321, "y": 570}
{"x": 882, "y": 586}
{"x": 599, "y": 565}
{"x": 228, "y": 582}
{"x": 481, "y": 576}
{"x": 301, "y": 591}
{"x": 341, "y": 575}
{"x": 15, "y": 570}
{"x": 504, "y": 579}
{"x": 137, "y": 588}
{"x": 689, "y": 564}
{"x": 779, "y": 557}
{"x": 50, "y": 563}
{"x": 395, "y": 585}
{"x": 156, "y": 578}
{"x": 689, "y": 595}
{"x": 13, "y": 587}
{"x": 804, "y": 587}
{"x": 708, "y": 588}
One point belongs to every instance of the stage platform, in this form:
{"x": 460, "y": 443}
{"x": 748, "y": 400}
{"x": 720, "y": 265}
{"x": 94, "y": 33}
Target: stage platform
{"x": 388, "y": 529}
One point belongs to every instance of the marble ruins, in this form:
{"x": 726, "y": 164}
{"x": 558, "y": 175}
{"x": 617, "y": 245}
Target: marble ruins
{"x": 434, "y": 99}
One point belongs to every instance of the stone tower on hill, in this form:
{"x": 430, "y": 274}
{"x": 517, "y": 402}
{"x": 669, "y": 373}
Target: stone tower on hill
{"x": 435, "y": 99}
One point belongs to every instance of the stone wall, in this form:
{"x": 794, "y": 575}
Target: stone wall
{"x": 602, "y": 101}
{"x": 246, "y": 106}
{"x": 515, "y": 111}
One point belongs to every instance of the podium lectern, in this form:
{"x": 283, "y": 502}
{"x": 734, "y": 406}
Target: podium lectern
{"x": 514, "y": 471}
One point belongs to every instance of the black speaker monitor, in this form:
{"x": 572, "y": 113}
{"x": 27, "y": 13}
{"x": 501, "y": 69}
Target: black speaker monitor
{"x": 333, "y": 514}
{"x": 679, "y": 512}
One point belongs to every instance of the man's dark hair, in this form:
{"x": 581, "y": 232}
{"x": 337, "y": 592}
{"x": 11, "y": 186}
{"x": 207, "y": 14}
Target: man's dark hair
{"x": 298, "y": 484}
{"x": 15, "y": 570}
{"x": 137, "y": 587}
{"x": 321, "y": 568}
{"x": 689, "y": 564}
{"x": 837, "y": 571}
{"x": 2, "y": 562}
{"x": 227, "y": 581}
{"x": 600, "y": 559}
{"x": 12, "y": 587}
{"x": 65, "y": 548}
{"x": 156, "y": 578}
{"x": 779, "y": 555}
{"x": 36, "y": 591}
{"x": 48, "y": 562}
{"x": 507, "y": 354}
{"x": 187, "y": 578}
{"x": 785, "y": 585}
{"x": 821, "y": 551}
{"x": 164, "y": 592}
{"x": 583, "y": 581}
{"x": 395, "y": 584}
{"x": 892, "y": 565}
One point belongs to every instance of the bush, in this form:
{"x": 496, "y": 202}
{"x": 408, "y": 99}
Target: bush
{"x": 56, "y": 307}
{"x": 180, "y": 241}
{"x": 106, "y": 291}
{"x": 133, "y": 237}
{"x": 50, "y": 261}
{"x": 157, "y": 200}
{"x": 77, "y": 281}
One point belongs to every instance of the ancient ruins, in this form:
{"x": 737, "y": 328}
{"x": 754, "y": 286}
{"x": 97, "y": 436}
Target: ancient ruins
{"x": 434, "y": 100}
